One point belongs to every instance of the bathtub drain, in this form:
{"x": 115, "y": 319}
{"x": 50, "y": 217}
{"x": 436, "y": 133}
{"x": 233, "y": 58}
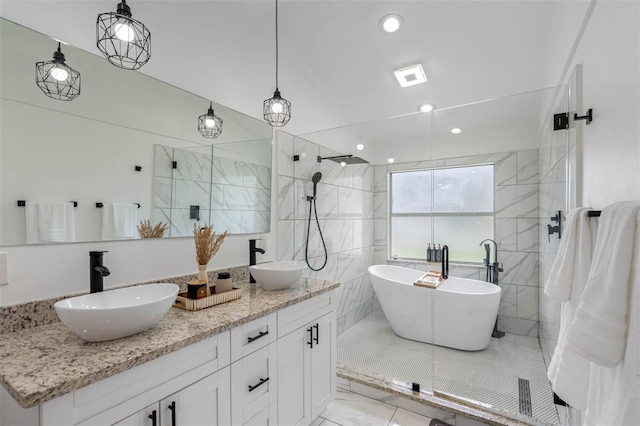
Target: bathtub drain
{"x": 524, "y": 397}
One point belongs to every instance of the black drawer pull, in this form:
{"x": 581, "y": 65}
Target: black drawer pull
{"x": 154, "y": 418}
{"x": 262, "y": 382}
{"x": 310, "y": 342}
{"x": 317, "y": 338}
{"x": 172, "y": 407}
{"x": 262, "y": 334}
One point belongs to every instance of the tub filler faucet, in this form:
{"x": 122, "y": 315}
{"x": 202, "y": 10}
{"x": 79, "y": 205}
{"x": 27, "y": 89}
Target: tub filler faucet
{"x": 493, "y": 269}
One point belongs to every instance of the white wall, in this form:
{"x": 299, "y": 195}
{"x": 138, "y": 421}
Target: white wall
{"x": 607, "y": 45}
{"x": 345, "y": 211}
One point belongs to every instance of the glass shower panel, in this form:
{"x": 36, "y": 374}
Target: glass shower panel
{"x": 500, "y": 203}
{"x": 191, "y": 189}
{"x": 368, "y": 346}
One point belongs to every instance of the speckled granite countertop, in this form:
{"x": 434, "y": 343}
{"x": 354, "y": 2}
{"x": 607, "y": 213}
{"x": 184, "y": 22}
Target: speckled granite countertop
{"x": 41, "y": 363}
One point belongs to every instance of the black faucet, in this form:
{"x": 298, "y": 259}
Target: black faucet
{"x": 252, "y": 256}
{"x": 445, "y": 262}
{"x": 97, "y": 270}
{"x": 492, "y": 275}
{"x": 492, "y": 267}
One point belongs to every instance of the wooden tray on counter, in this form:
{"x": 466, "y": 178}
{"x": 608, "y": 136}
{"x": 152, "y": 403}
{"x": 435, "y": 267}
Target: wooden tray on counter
{"x": 183, "y": 302}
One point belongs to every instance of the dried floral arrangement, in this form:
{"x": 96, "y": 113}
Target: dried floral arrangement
{"x": 207, "y": 242}
{"x": 146, "y": 230}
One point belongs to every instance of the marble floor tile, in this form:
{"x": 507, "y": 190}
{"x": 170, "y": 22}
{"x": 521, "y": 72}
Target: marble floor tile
{"x": 407, "y": 418}
{"x": 352, "y": 409}
{"x": 323, "y": 422}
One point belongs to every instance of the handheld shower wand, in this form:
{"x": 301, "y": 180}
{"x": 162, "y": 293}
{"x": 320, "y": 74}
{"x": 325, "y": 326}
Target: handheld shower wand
{"x": 315, "y": 179}
{"x": 312, "y": 204}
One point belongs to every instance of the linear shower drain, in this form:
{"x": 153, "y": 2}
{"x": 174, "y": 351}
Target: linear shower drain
{"x": 524, "y": 397}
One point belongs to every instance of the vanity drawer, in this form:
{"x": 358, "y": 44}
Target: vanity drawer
{"x": 300, "y": 314}
{"x": 142, "y": 385}
{"x": 253, "y": 384}
{"x": 249, "y": 337}
{"x": 267, "y": 417}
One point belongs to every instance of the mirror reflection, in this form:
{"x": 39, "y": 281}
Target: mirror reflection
{"x": 112, "y": 151}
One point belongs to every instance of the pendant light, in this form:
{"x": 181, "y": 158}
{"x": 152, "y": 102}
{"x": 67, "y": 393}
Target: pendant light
{"x": 57, "y": 79}
{"x": 125, "y": 42}
{"x": 277, "y": 110}
{"x": 209, "y": 124}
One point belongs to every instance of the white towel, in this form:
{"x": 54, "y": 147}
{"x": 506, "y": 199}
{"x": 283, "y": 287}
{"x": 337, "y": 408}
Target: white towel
{"x": 50, "y": 222}
{"x": 568, "y": 372}
{"x": 570, "y": 257}
{"x": 119, "y": 221}
{"x": 599, "y": 329}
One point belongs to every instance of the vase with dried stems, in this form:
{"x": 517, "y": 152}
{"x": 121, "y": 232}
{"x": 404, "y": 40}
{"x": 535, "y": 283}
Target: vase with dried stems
{"x": 207, "y": 245}
{"x": 146, "y": 230}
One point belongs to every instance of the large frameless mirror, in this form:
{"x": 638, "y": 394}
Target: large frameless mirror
{"x": 127, "y": 139}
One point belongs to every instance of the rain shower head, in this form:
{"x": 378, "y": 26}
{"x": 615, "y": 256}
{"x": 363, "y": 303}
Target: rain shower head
{"x": 347, "y": 159}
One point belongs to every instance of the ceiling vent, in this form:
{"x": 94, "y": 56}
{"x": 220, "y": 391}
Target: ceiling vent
{"x": 411, "y": 76}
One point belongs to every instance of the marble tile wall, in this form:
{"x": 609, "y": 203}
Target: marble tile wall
{"x": 345, "y": 206}
{"x": 233, "y": 195}
{"x": 557, "y": 192}
{"x": 516, "y": 231}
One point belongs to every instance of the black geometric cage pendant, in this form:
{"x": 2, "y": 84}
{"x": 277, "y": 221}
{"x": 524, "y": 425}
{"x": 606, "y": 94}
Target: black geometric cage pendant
{"x": 125, "y": 42}
{"x": 209, "y": 124}
{"x": 276, "y": 110}
{"x": 57, "y": 79}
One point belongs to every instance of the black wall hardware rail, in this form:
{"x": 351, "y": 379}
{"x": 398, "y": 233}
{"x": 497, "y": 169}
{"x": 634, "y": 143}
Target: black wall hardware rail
{"x": 23, "y": 203}
{"x": 561, "y": 120}
{"x": 594, "y": 213}
{"x": 555, "y": 229}
{"x": 262, "y": 334}
{"x": 260, "y": 383}
{"x": 100, "y": 205}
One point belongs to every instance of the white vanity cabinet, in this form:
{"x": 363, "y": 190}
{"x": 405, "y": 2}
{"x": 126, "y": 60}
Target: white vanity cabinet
{"x": 306, "y": 360}
{"x": 194, "y": 381}
{"x": 278, "y": 369}
{"x": 197, "y": 404}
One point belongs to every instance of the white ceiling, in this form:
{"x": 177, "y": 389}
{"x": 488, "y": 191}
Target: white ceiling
{"x": 336, "y": 66}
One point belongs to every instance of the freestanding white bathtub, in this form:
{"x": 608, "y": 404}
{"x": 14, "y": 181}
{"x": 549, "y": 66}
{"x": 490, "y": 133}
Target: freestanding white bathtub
{"x": 459, "y": 314}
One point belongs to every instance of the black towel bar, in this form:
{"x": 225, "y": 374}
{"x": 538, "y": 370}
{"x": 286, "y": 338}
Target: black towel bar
{"x": 594, "y": 213}
{"x": 100, "y": 205}
{"x": 23, "y": 203}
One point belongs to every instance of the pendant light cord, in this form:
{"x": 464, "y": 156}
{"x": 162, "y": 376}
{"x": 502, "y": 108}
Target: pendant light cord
{"x": 276, "y": 45}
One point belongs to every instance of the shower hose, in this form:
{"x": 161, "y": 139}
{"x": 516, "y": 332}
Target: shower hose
{"x": 312, "y": 205}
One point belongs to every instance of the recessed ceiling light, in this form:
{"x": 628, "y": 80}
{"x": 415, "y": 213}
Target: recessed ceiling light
{"x": 455, "y": 131}
{"x": 390, "y": 160}
{"x": 426, "y": 108}
{"x": 342, "y": 163}
{"x": 391, "y": 23}
{"x": 360, "y": 147}
{"x": 411, "y": 76}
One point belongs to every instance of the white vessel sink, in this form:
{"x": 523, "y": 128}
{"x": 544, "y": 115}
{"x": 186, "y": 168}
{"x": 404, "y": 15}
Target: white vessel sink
{"x": 277, "y": 275}
{"x": 117, "y": 313}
